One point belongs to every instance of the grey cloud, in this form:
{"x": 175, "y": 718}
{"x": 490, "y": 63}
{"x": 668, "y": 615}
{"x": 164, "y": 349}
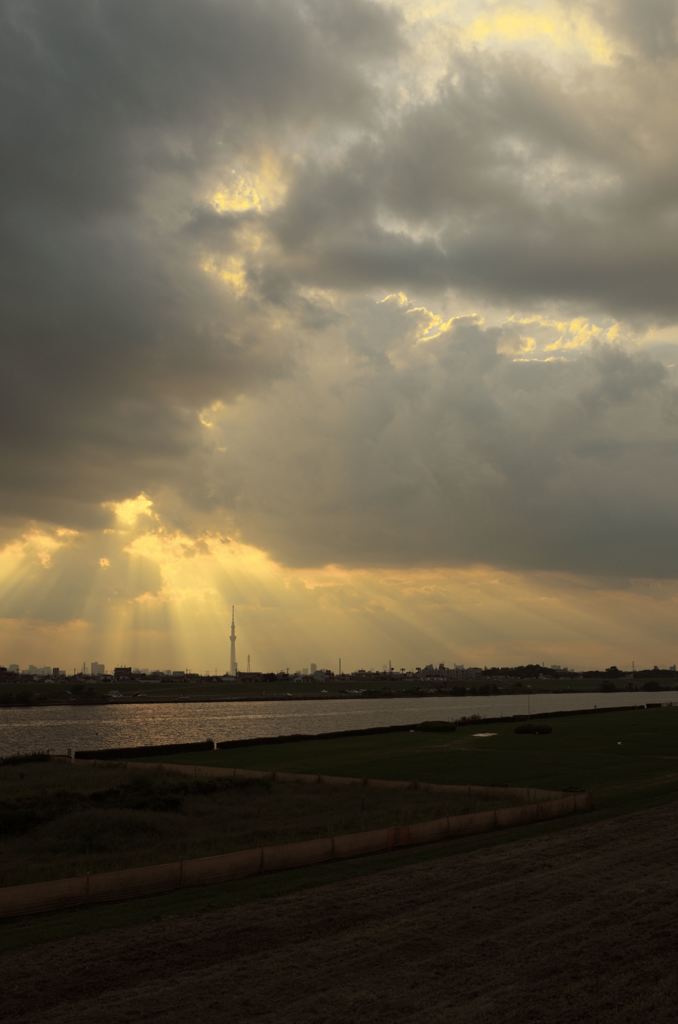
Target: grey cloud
{"x": 371, "y": 256}
{"x": 111, "y": 346}
{"x": 364, "y": 29}
{"x": 99, "y": 95}
{"x": 608, "y": 267}
{"x": 217, "y": 231}
{"x": 115, "y": 118}
{"x": 459, "y": 455}
{"x": 514, "y": 183}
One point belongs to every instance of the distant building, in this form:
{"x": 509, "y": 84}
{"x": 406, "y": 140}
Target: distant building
{"x": 97, "y": 669}
{"x": 122, "y": 672}
{"x": 13, "y": 667}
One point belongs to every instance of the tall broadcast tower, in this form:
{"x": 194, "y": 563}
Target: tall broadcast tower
{"x": 234, "y": 663}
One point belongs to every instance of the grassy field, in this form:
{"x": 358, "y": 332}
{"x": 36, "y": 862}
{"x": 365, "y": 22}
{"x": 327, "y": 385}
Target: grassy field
{"x": 58, "y": 820}
{"x": 621, "y": 757}
{"x": 628, "y": 760}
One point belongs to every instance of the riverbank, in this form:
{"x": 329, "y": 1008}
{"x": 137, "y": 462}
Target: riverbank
{"x": 86, "y": 727}
{"x": 40, "y": 699}
{"x": 63, "y": 691}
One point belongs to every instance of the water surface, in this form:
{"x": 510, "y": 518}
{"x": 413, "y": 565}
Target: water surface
{"x": 60, "y": 728}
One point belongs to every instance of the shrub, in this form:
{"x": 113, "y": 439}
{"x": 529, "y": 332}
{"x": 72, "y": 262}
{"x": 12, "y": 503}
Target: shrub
{"x": 16, "y": 818}
{"x": 37, "y": 755}
{"x": 24, "y": 813}
{"x": 101, "y": 831}
{"x": 164, "y": 791}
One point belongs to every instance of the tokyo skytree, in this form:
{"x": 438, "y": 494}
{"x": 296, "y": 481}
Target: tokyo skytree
{"x": 234, "y": 662}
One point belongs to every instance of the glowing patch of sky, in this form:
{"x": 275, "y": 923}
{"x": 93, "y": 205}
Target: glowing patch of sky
{"x": 259, "y": 188}
{"x": 475, "y": 617}
{"x": 230, "y": 271}
{"x": 288, "y": 618}
{"x": 538, "y": 24}
{"x": 551, "y": 30}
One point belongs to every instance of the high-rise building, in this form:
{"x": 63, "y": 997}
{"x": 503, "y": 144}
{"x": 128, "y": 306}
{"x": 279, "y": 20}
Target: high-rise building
{"x": 97, "y": 669}
{"x": 234, "y": 662}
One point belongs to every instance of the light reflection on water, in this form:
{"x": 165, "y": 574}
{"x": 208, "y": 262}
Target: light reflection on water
{"x": 60, "y": 728}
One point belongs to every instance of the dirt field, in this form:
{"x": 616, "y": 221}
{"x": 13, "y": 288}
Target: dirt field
{"x": 576, "y": 926}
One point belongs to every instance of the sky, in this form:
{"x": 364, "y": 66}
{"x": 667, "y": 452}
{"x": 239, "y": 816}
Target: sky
{"x": 361, "y": 316}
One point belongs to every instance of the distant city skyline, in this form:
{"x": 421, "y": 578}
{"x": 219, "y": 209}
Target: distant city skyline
{"x": 311, "y": 668}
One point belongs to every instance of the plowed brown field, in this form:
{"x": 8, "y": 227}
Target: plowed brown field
{"x": 580, "y": 925}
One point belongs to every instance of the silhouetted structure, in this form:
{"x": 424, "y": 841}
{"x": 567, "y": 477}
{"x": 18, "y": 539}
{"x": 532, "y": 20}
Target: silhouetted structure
{"x": 234, "y": 662}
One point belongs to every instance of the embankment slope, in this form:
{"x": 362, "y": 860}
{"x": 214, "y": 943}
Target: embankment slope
{"x": 578, "y": 925}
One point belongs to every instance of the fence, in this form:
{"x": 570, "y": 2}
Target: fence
{"x": 117, "y": 753}
{"x": 527, "y": 794}
{"x": 540, "y": 805}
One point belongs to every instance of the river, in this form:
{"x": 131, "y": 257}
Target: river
{"x": 57, "y": 729}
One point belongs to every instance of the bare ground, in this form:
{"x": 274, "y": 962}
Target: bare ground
{"x": 575, "y": 926}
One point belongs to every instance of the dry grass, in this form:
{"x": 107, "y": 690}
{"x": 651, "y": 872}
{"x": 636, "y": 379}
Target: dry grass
{"x": 574, "y": 927}
{"x": 57, "y": 820}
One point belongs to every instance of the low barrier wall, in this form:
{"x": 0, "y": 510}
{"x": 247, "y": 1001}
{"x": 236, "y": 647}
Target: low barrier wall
{"x": 527, "y": 794}
{"x": 17, "y": 900}
{"x": 115, "y": 753}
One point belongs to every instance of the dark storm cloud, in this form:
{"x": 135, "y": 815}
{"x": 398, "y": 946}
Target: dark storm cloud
{"x": 515, "y": 182}
{"x": 98, "y": 95}
{"x": 110, "y": 345}
{"x": 115, "y": 116}
{"x": 456, "y": 454}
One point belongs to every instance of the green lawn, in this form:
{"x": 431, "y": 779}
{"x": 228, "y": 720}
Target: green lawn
{"x": 621, "y": 757}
